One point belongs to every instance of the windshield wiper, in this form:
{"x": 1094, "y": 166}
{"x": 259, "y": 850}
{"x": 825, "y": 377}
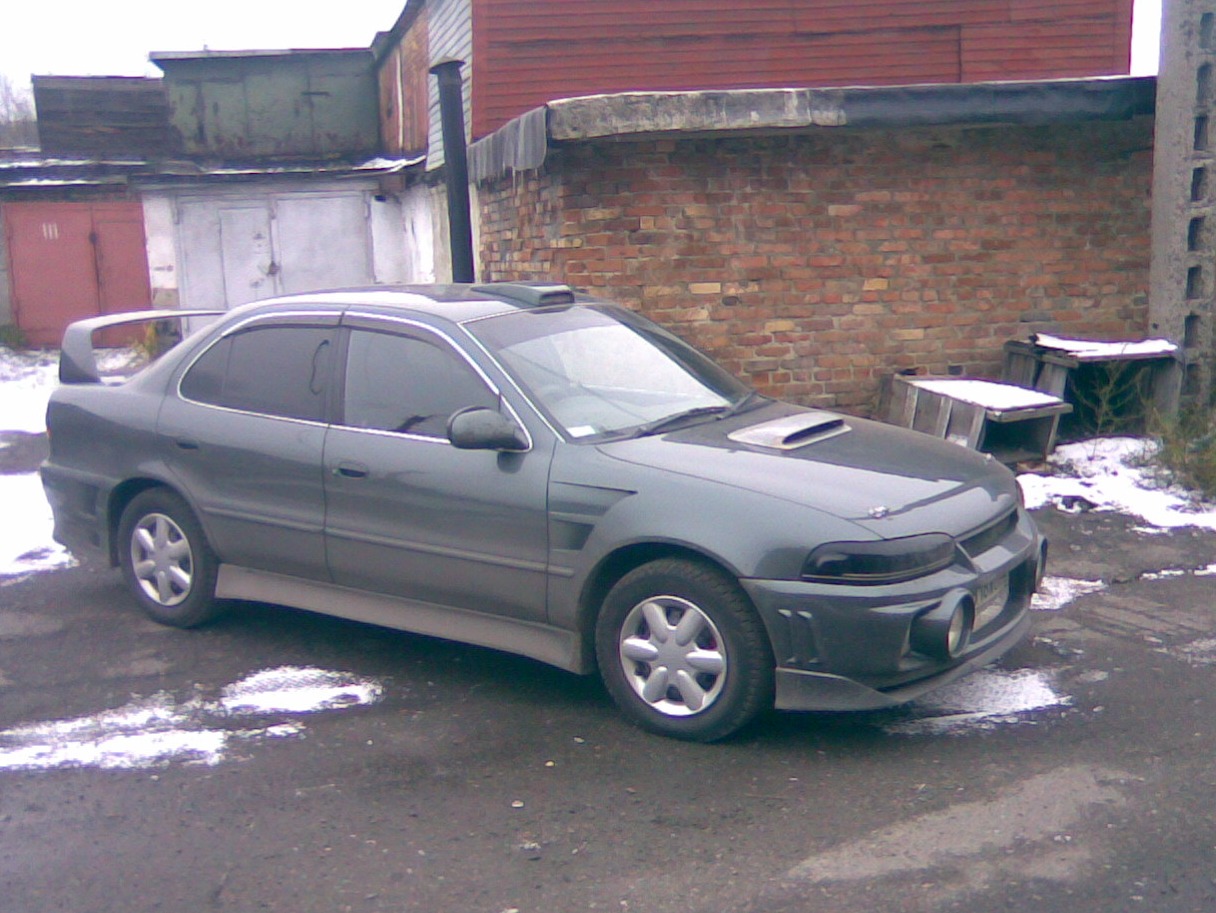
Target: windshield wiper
{"x": 677, "y": 418}
{"x": 748, "y": 400}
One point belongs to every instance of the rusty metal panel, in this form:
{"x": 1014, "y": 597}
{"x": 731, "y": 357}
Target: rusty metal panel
{"x": 403, "y": 76}
{"x": 74, "y": 260}
{"x": 102, "y": 116}
{"x": 279, "y": 104}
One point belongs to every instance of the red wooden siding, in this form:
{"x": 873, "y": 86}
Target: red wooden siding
{"x": 1075, "y": 47}
{"x": 526, "y": 54}
{"x": 827, "y": 16}
{"x": 718, "y": 62}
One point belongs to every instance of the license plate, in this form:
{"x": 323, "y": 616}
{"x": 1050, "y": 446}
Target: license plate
{"x": 990, "y": 599}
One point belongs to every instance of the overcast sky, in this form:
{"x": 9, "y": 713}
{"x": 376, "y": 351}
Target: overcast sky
{"x": 114, "y": 37}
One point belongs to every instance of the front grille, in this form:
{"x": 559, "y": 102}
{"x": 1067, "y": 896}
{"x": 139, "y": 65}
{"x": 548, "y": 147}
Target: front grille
{"x": 988, "y": 537}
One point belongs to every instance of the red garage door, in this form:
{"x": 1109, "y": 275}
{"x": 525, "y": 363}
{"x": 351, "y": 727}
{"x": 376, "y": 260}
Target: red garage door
{"x": 74, "y": 260}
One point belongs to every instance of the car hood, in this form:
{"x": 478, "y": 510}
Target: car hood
{"x": 889, "y": 480}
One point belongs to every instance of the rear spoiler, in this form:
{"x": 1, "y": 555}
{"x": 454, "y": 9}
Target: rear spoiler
{"x": 77, "y": 358}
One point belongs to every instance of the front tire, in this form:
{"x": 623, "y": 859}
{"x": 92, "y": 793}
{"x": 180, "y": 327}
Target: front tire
{"x": 166, "y": 561}
{"x": 682, "y": 651}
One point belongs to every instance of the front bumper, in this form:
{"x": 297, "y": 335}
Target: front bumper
{"x": 841, "y": 647}
{"x": 802, "y": 690}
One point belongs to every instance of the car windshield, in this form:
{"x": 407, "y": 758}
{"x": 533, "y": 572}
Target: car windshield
{"x": 603, "y": 372}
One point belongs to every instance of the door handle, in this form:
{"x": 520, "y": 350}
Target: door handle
{"x": 186, "y": 444}
{"x": 351, "y": 470}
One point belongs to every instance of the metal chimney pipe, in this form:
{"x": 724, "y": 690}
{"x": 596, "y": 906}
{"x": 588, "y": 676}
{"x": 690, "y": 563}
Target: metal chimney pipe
{"x": 456, "y": 167}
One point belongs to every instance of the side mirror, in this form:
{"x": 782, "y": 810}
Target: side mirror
{"x": 479, "y": 428}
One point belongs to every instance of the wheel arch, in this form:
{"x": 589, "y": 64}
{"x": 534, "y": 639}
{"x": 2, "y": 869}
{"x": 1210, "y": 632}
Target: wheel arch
{"x": 123, "y": 494}
{"x": 616, "y": 564}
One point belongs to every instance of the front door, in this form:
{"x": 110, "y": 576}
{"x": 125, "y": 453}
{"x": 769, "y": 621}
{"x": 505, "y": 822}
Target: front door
{"x": 410, "y": 515}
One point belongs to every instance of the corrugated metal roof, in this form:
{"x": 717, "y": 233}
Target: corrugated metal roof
{"x": 28, "y": 172}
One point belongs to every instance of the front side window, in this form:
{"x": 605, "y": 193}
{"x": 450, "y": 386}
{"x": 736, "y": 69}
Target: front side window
{"x": 281, "y": 370}
{"x": 407, "y": 384}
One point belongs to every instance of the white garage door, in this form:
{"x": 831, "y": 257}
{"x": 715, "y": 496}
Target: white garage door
{"x": 239, "y": 249}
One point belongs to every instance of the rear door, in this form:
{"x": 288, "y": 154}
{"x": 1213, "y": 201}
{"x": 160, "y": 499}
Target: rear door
{"x": 410, "y": 515}
{"x": 245, "y": 437}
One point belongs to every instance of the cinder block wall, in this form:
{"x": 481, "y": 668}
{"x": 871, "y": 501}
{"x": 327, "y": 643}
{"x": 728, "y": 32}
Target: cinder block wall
{"x": 815, "y": 265}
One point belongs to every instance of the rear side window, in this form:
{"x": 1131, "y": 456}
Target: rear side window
{"x": 409, "y": 385}
{"x": 281, "y": 370}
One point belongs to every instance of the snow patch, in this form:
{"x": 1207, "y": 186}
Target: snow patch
{"x": 987, "y": 393}
{"x": 1057, "y": 592}
{"x": 158, "y": 730}
{"x": 26, "y": 542}
{"x": 981, "y": 702}
{"x": 291, "y": 689}
{"x": 27, "y": 379}
{"x": 1197, "y": 653}
{"x": 1111, "y": 474}
{"x": 1093, "y": 350}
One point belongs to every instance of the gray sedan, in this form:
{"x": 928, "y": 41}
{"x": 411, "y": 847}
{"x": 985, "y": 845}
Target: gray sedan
{"x": 533, "y": 470}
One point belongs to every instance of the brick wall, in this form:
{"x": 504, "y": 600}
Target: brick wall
{"x": 815, "y": 265}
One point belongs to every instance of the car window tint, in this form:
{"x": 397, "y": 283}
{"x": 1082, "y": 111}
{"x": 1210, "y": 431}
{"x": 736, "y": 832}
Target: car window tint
{"x": 204, "y": 382}
{"x": 282, "y": 371}
{"x": 406, "y": 384}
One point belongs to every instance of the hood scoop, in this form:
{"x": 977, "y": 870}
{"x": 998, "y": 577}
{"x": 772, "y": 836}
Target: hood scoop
{"x": 792, "y": 431}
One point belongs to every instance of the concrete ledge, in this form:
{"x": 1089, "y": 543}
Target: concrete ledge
{"x": 522, "y": 144}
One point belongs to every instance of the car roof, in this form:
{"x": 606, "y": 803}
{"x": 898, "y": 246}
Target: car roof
{"x": 455, "y": 302}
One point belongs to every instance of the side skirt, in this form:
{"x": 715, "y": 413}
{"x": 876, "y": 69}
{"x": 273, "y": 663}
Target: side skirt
{"x": 540, "y": 642}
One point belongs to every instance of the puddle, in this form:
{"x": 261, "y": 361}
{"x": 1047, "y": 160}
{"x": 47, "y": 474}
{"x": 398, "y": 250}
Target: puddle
{"x": 980, "y": 702}
{"x": 157, "y": 730}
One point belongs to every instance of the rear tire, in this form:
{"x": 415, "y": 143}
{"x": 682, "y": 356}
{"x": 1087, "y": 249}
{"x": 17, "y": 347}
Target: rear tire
{"x": 682, "y": 651}
{"x": 166, "y": 561}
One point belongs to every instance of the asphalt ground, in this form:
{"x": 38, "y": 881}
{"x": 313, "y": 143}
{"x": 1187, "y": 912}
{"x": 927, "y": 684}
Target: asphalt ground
{"x": 490, "y": 783}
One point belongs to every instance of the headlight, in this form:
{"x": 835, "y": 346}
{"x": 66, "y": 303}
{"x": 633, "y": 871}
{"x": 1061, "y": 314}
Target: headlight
{"x": 884, "y": 561}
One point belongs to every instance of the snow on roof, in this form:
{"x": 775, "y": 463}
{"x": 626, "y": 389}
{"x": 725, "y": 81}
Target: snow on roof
{"x": 1094, "y": 350}
{"x": 986, "y": 393}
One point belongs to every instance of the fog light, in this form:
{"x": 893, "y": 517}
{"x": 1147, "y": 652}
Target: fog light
{"x": 944, "y": 632}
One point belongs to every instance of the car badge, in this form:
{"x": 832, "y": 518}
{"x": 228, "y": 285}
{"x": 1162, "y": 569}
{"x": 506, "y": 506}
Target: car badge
{"x": 879, "y": 512}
